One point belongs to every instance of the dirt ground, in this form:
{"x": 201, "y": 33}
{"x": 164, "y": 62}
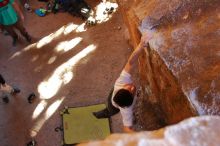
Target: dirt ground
{"x": 81, "y": 74}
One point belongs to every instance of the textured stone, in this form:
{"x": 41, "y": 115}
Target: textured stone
{"x": 187, "y": 41}
{"x": 196, "y": 131}
{"x": 180, "y": 70}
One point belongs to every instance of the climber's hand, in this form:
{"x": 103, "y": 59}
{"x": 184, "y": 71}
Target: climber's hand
{"x": 128, "y": 129}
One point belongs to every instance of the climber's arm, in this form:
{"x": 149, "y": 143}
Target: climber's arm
{"x": 132, "y": 61}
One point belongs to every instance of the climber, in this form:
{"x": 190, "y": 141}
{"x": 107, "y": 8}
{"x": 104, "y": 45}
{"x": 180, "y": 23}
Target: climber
{"x": 123, "y": 95}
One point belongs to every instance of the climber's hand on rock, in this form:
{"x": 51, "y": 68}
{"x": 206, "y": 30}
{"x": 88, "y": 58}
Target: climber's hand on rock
{"x": 146, "y": 37}
{"x": 128, "y": 129}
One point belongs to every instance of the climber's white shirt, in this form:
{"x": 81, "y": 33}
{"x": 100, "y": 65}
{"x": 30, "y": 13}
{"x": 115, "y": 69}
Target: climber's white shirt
{"x": 127, "y": 113}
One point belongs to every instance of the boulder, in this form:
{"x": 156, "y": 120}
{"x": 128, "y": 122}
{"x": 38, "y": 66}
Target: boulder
{"x": 197, "y": 131}
{"x": 179, "y": 71}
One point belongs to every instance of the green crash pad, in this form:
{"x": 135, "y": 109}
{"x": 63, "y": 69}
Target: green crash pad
{"x": 79, "y": 125}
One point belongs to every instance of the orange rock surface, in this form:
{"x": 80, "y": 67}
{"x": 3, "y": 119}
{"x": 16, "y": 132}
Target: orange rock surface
{"x": 180, "y": 70}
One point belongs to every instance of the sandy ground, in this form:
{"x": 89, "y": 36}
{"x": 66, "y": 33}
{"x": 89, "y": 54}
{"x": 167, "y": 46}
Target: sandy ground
{"x": 80, "y": 75}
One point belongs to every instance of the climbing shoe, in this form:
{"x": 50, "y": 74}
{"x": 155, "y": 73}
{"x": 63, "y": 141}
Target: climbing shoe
{"x": 15, "y": 91}
{"x": 5, "y": 99}
{"x": 101, "y": 114}
{"x": 32, "y": 143}
{"x": 27, "y": 7}
{"x": 31, "y": 98}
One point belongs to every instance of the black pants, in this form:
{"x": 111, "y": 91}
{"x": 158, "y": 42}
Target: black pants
{"x": 109, "y": 111}
{"x": 2, "y": 80}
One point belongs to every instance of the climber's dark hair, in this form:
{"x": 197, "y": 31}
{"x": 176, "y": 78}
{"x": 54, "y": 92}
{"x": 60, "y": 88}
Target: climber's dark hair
{"x": 123, "y": 98}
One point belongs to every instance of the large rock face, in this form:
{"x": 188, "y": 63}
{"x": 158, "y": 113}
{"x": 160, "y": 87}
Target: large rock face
{"x": 180, "y": 70}
{"x": 192, "y": 132}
